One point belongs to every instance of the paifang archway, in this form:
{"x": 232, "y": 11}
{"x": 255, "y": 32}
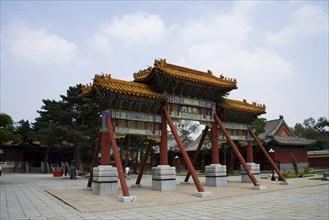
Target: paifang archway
{"x": 166, "y": 92}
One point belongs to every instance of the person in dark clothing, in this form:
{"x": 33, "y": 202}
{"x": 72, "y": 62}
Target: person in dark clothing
{"x": 67, "y": 167}
{"x": 73, "y": 170}
{"x": 171, "y": 157}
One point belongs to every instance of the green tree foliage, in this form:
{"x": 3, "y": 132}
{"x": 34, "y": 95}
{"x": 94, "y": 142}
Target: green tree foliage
{"x": 317, "y": 130}
{"x": 24, "y": 129}
{"x": 8, "y": 131}
{"x": 72, "y": 121}
{"x": 259, "y": 125}
{"x": 187, "y": 128}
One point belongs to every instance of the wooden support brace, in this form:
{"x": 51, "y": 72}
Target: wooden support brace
{"x": 93, "y": 164}
{"x": 117, "y": 159}
{"x": 281, "y": 177}
{"x": 183, "y": 151}
{"x": 147, "y": 153}
{"x": 236, "y": 151}
{"x": 197, "y": 152}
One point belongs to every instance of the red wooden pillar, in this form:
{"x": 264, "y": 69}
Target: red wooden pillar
{"x": 250, "y": 153}
{"x": 164, "y": 141}
{"x": 214, "y": 144}
{"x": 183, "y": 152}
{"x": 93, "y": 164}
{"x": 236, "y": 151}
{"x": 117, "y": 159}
{"x": 105, "y": 149}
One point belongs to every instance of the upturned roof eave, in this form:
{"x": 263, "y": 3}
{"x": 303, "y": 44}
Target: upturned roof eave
{"x": 186, "y": 74}
{"x": 243, "y": 106}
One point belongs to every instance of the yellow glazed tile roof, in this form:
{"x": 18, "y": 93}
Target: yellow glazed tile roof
{"x": 107, "y": 84}
{"x": 243, "y": 106}
{"x": 187, "y": 74}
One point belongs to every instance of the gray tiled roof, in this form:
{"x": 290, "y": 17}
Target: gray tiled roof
{"x": 292, "y": 140}
{"x": 270, "y": 128}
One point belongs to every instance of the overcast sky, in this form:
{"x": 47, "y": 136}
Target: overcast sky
{"x": 277, "y": 51}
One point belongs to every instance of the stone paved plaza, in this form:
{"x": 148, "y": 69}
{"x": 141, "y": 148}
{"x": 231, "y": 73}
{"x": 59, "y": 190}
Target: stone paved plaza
{"x": 41, "y": 196}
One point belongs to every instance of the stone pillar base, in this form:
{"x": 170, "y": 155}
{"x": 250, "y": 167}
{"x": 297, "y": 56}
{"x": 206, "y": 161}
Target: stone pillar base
{"x": 285, "y": 182}
{"x": 254, "y": 168}
{"x": 86, "y": 188}
{"x": 216, "y": 175}
{"x": 127, "y": 198}
{"x": 163, "y": 178}
{"x": 202, "y": 194}
{"x": 105, "y": 180}
{"x": 259, "y": 187}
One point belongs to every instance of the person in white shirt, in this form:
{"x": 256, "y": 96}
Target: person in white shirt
{"x": 127, "y": 172}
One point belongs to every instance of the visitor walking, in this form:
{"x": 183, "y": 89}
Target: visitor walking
{"x": 127, "y": 172}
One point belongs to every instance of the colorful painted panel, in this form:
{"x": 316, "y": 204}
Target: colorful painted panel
{"x": 191, "y": 102}
{"x": 237, "y": 131}
{"x": 236, "y": 138}
{"x": 137, "y": 131}
{"x": 235, "y": 126}
{"x": 133, "y": 116}
{"x": 191, "y": 116}
{"x": 133, "y": 123}
{"x": 191, "y": 109}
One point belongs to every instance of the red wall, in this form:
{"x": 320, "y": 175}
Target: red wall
{"x": 319, "y": 162}
{"x": 284, "y": 156}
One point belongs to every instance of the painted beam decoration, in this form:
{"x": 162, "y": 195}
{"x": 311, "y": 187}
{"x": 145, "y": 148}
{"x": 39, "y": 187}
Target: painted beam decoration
{"x": 180, "y": 108}
{"x": 237, "y": 131}
{"x": 136, "y": 123}
{"x": 191, "y": 109}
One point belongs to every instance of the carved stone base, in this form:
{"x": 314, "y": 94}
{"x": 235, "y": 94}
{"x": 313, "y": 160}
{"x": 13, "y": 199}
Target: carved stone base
{"x": 163, "y": 178}
{"x": 254, "y": 168}
{"x": 105, "y": 180}
{"x": 216, "y": 175}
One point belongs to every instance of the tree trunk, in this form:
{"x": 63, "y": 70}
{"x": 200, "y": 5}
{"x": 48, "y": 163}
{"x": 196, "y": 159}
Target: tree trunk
{"x": 46, "y": 160}
{"x": 19, "y": 159}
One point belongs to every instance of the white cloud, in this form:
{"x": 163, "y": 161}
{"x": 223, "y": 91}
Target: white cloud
{"x": 131, "y": 30}
{"x": 257, "y": 65}
{"x": 218, "y": 42}
{"x": 100, "y": 41}
{"x": 307, "y": 20}
{"x": 230, "y": 28}
{"x": 39, "y": 46}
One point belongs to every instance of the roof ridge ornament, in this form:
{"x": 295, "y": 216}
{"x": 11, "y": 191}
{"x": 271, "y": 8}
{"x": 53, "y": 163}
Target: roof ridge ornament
{"x": 160, "y": 62}
{"x": 105, "y": 76}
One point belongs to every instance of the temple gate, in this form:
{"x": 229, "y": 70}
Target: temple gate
{"x": 168, "y": 92}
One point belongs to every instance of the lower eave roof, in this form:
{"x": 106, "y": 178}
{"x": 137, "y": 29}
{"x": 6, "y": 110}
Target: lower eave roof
{"x": 243, "y": 106}
{"x": 106, "y": 83}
